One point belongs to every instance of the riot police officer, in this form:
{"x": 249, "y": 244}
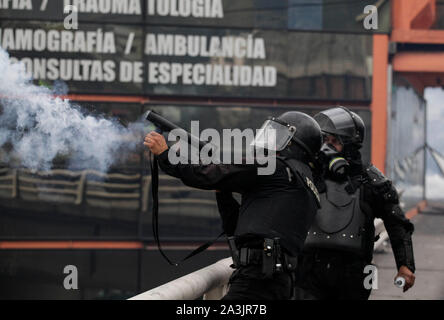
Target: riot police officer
{"x": 340, "y": 243}
{"x": 276, "y": 210}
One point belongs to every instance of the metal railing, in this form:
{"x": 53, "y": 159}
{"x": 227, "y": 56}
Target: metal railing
{"x": 211, "y": 283}
{"x": 8, "y": 183}
{"x": 94, "y": 188}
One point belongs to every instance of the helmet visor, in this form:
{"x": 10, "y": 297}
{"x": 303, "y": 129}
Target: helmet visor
{"x": 273, "y": 135}
{"x": 337, "y": 122}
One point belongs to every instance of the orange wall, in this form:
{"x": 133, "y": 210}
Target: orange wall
{"x": 413, "y": 14}
{"x": 379, "y": 100}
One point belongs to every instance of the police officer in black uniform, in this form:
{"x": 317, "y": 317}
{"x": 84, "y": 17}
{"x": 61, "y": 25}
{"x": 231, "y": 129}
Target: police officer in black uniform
{"x": 268, "y": 228}
{"x": 340, "y": 243}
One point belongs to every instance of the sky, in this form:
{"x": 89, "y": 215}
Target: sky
{"x": 435, "y": 138}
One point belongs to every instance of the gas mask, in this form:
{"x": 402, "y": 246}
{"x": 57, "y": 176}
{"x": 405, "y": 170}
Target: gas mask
{"x": 337, "y": 164}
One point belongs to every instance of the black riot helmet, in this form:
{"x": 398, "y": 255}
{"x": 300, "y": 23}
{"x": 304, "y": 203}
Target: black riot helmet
{"x": 291, "y": 129}
{"x": 343, "y": 124}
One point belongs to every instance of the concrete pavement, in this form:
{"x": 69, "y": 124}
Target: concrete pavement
{"x": 428, "y": 245}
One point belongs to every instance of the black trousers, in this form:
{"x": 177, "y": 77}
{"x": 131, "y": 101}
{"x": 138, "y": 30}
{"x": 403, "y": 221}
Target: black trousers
{"x": 337, "y": 276}
{"x": 249, "y": 283}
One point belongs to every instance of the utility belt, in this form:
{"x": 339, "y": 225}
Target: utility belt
{"x": 271, "y": 257}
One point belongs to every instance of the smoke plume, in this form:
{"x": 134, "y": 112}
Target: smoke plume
{"x": 37, "y": 126}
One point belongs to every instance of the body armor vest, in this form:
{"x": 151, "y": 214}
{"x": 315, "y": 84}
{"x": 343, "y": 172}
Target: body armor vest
{"x": 340, "y": 223}
{"x": 281, "y": 205}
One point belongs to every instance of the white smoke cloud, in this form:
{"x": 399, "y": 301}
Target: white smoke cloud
{"x": 435, "y": 186}
{"x": 409, "y": 191}
{"x": 39, "y": 126}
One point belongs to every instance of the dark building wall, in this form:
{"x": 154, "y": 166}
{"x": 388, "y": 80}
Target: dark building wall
{"x": 321, "y": 68}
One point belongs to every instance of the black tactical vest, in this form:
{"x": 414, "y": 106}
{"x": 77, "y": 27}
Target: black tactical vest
{"x": 281, "y": 205}
{"x": 340, "y": 223}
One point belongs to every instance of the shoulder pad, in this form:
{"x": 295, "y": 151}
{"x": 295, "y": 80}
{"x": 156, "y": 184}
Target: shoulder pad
{"x": 303, "y": 172}
{"x": 381, "y": 185}
{"x": 375, "y": 177}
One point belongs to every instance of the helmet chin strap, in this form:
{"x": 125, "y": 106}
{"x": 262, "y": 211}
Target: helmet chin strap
{"x": 354, "y": 158}
{"x": 351, "y": 152}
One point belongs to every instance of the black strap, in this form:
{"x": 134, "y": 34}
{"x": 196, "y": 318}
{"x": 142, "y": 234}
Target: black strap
{"x": 301, "y": 170}
{"x": 350, "y": 187}
{"x": 155, "y": 220}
